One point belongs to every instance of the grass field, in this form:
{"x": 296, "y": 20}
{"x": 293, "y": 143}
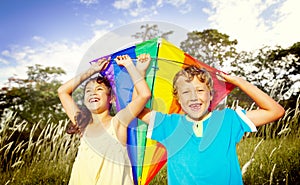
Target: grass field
{"x": 270, "y": 156}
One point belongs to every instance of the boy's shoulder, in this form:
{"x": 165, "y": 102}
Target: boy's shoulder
{"x": 168, "y": 114}
{"x": 223, "y": 111}
{"x": 226, "y": 114}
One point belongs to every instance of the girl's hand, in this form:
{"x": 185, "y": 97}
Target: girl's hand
{"x": 100, "y": 65}
{"x": 123, "y": 60}
{"x": 143, "y": 63}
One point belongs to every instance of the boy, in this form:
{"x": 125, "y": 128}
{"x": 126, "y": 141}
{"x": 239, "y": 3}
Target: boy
{"x": 201, "y": 145}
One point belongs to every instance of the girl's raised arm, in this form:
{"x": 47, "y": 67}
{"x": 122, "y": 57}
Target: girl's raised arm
{"x": 65, "y": 91}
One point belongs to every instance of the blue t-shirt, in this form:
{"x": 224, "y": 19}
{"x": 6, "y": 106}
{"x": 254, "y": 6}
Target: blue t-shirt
{"x": 210, "y": 159}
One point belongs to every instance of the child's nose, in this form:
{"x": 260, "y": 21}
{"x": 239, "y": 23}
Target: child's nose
{"x": 94, "y": 92}
{"x": 194, "y": 95}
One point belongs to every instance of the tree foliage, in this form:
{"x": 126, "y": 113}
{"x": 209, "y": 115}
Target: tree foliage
{"x": 210, "y": 46}
{"x": 276, "y": 70}
{"x": 150, "y": 32}
{"x": 34, "y": 99}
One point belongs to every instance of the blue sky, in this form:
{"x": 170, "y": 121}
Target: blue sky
{"x": 59, "y": 32}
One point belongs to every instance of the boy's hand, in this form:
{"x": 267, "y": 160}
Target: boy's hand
{"x": 143, "y": 63}
{"x": 123, "y": 60}
{"x": 228, "y": 78}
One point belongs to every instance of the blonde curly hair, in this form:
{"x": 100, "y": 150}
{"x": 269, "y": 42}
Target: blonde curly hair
{"x": 189, "y": 73}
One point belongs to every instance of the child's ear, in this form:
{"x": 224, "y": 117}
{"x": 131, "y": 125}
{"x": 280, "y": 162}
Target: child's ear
{"x": 112, "y": 99}
{"x": 178, "y": 100}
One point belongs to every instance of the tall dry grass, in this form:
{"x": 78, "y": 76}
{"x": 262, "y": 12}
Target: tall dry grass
{"x": 47, "y": 159}
{"x": 270, "y": 156}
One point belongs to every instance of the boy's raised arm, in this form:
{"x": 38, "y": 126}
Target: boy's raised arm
{"x": 269, "y": 110}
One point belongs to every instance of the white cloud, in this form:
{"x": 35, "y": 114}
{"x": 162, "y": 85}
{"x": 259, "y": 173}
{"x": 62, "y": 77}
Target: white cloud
{"x": 38, "y": 39}
{"x": 176, "y": 3}
{"x": 133, "y": 7}
{"x": 288, "y": 23}
{"x": 5, "y": 53}
{"x": 65, "y": 54}
{"x": 137, "y": 11}
{"x": 182, "y": 5}
{"x": 2, "y": 61}
{"x": 136, "y": 8}
{"x": 126, "y": 4}
{"x": 70, "y": 56}
{"x": 185, "y": 9}
{"x": 159, "y": 3}
{"x": 56, "y": 54}
{"x": 89, "y": 2}
{"x": 102, "y": 23}
{"x": 248, "y": 22}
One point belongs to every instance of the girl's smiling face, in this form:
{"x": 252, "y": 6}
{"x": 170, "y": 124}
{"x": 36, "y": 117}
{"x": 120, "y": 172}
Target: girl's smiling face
{"x": 97, "y": 97}
{"x": 194, "y": 97}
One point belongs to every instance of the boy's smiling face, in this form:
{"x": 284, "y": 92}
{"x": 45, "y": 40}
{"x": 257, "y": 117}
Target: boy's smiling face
{"x": 194, "y": 97}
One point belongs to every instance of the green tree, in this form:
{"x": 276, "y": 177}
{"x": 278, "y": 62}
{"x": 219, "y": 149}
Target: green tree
{"x": 275, "y": 70}
{"x": 210, "y": 46}
{"x": 34, "y": 99}
{"x": 150, "y": 32}
{"x": 34, "y": 103}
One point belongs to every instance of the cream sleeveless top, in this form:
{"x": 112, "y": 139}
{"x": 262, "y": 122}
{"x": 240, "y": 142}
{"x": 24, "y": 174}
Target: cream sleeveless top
{"x": 102, "y": 160}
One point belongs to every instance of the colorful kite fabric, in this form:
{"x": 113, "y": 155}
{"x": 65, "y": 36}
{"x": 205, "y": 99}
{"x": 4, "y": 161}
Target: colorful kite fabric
{"x": 148, "y": 156}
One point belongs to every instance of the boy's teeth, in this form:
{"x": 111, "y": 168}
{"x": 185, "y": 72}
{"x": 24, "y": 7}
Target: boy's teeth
{"x": 195, "y": 106}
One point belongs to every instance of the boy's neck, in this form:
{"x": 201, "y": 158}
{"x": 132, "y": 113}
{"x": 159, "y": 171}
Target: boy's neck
{"x": 202, "y": 118}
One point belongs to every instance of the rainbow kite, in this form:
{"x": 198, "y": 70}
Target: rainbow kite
{"x": 148, "y": 156}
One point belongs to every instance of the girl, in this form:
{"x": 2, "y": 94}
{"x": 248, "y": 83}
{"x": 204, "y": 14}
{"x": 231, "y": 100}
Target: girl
{"x": 102, "y": 156}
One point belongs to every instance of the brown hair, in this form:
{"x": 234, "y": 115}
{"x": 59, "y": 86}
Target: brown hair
{"x": 189, "y": 73}
{"x": 84, "y": 116}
